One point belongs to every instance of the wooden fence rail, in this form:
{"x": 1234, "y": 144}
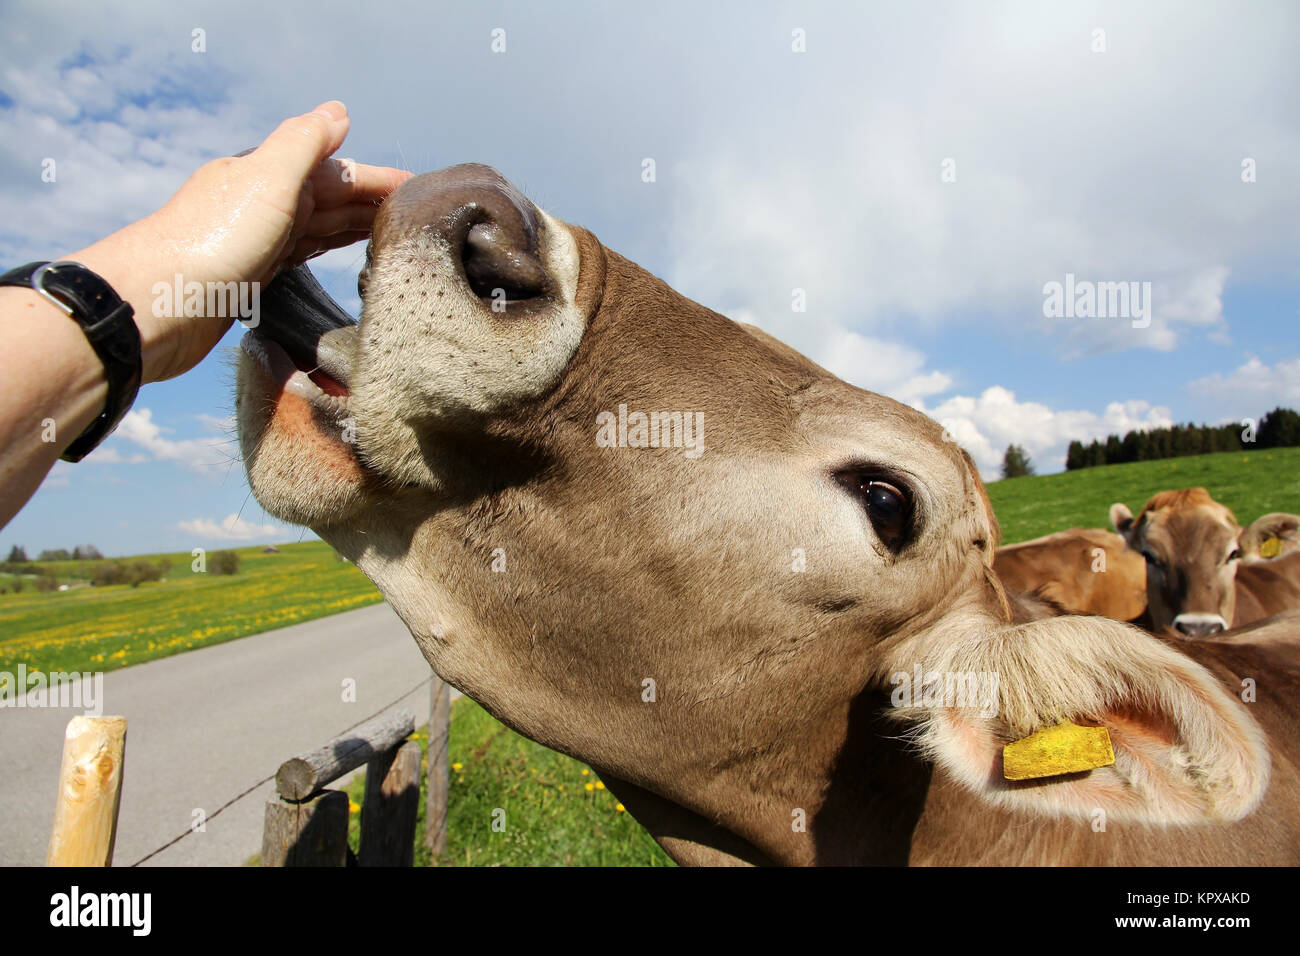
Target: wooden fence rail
{"x": 307, "y": 824}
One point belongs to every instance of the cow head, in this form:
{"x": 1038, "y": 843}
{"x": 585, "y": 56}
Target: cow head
{"x": 665, "y": 543}
{"x": 1193, "y": 547}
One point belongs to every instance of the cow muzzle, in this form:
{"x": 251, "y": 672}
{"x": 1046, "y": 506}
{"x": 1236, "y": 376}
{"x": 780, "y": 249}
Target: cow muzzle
{"x": 1199, "y": 625}
{"x": 469, "y": 311}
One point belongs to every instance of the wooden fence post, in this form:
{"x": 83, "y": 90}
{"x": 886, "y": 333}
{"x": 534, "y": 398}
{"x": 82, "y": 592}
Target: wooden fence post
{"x": 439, "y": 772}
{"x": 312, "y": 833}
{"x": 390, "y": 807}
{"x": 90, "y": 789}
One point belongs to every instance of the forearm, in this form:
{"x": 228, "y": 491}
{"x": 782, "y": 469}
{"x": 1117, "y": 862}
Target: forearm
{"x": 54, "y": 388}
{"x": 54, "y": 381}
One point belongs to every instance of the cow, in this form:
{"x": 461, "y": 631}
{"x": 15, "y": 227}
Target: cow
{"x": 749, "y": 621}
{"x": 1081, "y": 571}
{"x": 1196, "y": 581}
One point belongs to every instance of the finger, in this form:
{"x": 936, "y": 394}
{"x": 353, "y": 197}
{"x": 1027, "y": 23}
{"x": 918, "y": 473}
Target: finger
{"x": 341, "y": 239}
{"x": 338, "y": 183}
{"x": 302, "y": 215}
{"x": 312, "y": 246}
{"x": 299, "y": 144}
{"x": 349, "y": 218}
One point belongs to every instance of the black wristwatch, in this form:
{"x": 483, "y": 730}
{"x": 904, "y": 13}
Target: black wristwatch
{"x": 109, "y": 324}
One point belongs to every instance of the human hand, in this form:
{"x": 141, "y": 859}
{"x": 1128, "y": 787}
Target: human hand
{"x": 240, "y": 219}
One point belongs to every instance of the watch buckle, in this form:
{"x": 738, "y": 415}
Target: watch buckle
{"x": 38, "y": 283}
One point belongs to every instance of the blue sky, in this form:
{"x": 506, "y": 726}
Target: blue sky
{"x": 775, "y": 170}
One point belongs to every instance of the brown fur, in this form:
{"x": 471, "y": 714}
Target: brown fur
{"x": 1060, "y": 568}
{"x": 723, "y": 638}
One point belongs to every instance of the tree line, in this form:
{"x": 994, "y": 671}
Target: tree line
{"x": 1279, "y": 428}
{"x": 82, "y": 552}
{"x": 100, "y": 572}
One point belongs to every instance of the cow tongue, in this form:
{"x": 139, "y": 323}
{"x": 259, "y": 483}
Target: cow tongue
{"x": 300, "y": 317}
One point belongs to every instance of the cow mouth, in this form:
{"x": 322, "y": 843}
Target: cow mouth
{"x": 305, "y": 342}
{"x": 320, "y": 379}
{"x": 293, "y": 401}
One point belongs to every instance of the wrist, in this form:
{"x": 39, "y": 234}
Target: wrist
{"x": 128, "y": 260}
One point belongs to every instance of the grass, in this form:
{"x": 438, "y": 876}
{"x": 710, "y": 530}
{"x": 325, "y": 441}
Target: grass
{"x": 104, "y": 628}
{"x": 556, "y": 810}
{"x": 1251, "y": 484}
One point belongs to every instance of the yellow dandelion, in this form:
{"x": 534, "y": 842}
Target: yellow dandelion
{"x": 620, "y": 808}
{"x": 354, "y": 807}
{"x": 585, "y": 771}
{"x": 456, "y": 766}
{"x": 599, "y": 785}
{"x": 588, "y": 787}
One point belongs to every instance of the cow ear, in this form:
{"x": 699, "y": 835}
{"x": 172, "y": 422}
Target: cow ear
{"x": 1283, "y": 527}
{"x": 1184, "y": 750}
{"x": 1121, "y": 519}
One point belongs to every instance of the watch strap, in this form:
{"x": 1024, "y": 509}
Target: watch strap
{"x": 109, "y": 325}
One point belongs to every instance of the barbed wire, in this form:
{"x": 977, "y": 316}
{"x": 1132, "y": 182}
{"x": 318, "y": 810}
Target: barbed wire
{"x": 233, "y": 800}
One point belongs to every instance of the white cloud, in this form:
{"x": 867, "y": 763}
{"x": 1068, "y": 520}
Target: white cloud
{"x": 986, "y": 425}
{"x": 197, "y": 454}
{"x": 1057, "y": 171}
{"x": 1177, "y": 304}
{"x": 110, "y": 455}
{"x": 230, "y": 528}
{"x": 1254, "y": 387}
{"x": 879, "y": 366}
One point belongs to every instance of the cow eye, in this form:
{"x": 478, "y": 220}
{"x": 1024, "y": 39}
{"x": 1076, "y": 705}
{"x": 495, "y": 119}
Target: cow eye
{"x": 1236, "y": 554}
{"x": 888, "y": 505}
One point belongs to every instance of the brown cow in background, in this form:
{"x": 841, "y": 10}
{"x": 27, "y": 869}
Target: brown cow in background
{"x": 1082, "y": 571}
{"x": 1197, "y": 581}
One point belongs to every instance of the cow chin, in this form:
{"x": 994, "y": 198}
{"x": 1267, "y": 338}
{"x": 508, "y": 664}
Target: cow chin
{"x": 300, "y": 466}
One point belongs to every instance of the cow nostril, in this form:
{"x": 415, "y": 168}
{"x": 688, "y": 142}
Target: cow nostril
{"x": 497, "y": 268}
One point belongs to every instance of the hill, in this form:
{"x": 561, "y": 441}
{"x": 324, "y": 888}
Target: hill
{"x": 1250, "y": 484}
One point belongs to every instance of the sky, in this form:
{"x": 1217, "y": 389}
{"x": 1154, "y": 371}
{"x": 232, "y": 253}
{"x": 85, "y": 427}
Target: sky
{"x": 914, "y": 175}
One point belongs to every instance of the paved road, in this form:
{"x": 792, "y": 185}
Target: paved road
{"x": 204, "y": 726}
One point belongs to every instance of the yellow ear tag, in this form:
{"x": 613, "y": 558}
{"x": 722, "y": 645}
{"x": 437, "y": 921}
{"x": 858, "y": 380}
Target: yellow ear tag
{"x": 1065, "y": 748}
{"x": 1270, "y": 547}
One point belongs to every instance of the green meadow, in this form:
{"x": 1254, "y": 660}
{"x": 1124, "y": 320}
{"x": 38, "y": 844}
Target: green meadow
{"x": 1251, "y": 484}
{"x": 104, "y": 628}
{"x": 552, "y": 810}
